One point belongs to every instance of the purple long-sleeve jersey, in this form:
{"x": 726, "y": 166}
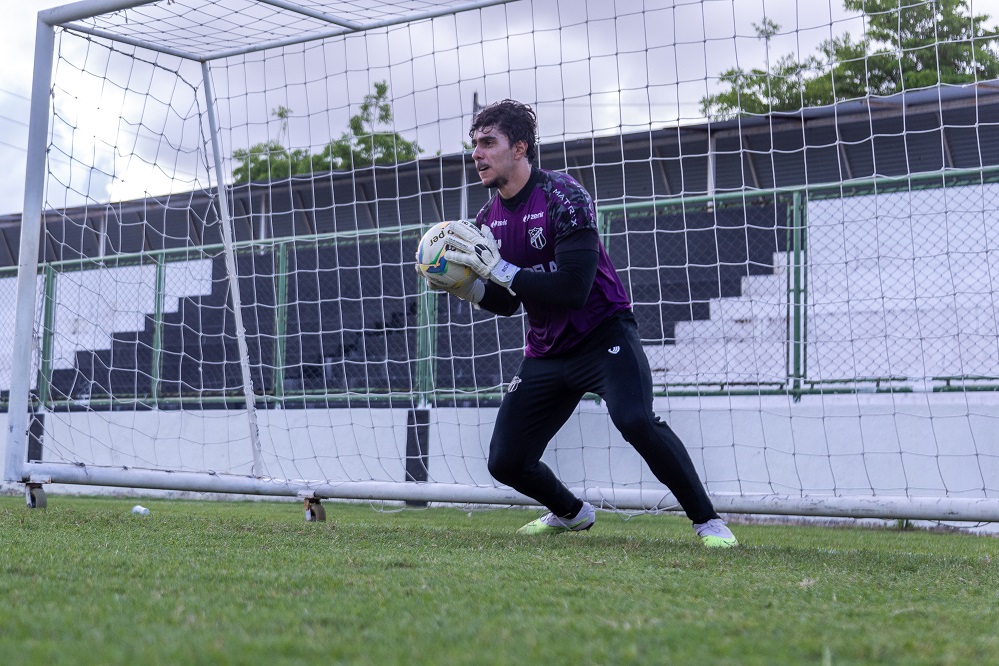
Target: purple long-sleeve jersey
{"x": 553, "y": 209}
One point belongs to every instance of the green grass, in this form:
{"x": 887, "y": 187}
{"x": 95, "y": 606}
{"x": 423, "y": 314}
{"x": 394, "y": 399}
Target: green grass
{"x": 85, "y": 582}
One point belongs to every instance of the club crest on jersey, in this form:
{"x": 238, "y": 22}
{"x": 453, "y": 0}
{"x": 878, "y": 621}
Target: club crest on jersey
{"x": 538, "y": 240}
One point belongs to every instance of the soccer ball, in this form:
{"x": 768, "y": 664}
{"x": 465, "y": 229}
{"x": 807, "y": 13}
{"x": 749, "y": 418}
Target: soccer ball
{"x": 430, "y": 261}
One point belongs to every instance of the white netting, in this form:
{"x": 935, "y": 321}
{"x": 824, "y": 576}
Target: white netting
{"x": 811, "y": 255}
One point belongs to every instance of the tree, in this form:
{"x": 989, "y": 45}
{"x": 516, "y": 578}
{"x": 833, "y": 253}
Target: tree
{"x": 271, "y": 160}
{"x": 364, "y": 145}
{"x": 923, "y": 44}
{"x": 907, "y": 45}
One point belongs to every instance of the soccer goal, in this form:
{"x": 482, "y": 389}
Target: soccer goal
{"x": 216, "y": 291}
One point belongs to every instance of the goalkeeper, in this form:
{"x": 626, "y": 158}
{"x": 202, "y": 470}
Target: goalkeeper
{"x": 535, "y": 243}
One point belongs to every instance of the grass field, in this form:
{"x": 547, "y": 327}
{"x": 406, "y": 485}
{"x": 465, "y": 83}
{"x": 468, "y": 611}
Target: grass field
{"x": 85, "y": 582}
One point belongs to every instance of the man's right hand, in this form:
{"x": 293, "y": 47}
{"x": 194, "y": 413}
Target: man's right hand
{"x": 475, "y": 247}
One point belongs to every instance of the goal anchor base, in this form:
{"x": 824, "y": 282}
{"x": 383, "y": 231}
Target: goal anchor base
{"x": 314, "y": 511}
{"x": 34, "y": 496}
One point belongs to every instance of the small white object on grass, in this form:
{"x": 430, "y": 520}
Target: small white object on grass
{"x": 139, "y": 510}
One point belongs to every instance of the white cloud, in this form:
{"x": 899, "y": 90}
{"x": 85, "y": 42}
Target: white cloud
{"x": 586, "y": 69}
{"x": 17, "y": 35}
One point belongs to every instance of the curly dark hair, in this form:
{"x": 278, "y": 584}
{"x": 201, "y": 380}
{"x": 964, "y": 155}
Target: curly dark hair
{"x": 516, "y": 120}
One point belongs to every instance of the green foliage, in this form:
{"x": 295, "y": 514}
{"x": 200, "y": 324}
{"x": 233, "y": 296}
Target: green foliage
{"x": 363, "y": 145}
{"x": 272, "y": 161}
{"x": 906, "y": 46}
{"x": 85, "y": 582}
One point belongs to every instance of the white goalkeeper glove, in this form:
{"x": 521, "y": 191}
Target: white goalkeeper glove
{"x": 476, "y": 248}
{"x": 470, "y": 290}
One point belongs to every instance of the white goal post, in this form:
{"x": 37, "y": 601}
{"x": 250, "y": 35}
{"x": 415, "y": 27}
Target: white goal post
{"x": 215, "y": 289}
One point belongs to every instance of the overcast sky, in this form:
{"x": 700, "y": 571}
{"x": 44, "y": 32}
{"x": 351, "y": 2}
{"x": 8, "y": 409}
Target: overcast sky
{"x": 699, "y": 39}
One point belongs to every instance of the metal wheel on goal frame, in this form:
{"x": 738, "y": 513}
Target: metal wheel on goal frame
{"x": 34, "y": 496}
{"x": 315, "y": 512}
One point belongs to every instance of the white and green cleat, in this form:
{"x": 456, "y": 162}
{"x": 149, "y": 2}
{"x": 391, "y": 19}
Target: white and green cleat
{"x": 716, "y": 534}
{"x": 552, "y": 524}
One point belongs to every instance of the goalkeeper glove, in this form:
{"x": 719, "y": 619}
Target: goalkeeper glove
{"x": 476, "y": 248}
{"x": 470, "y": 290}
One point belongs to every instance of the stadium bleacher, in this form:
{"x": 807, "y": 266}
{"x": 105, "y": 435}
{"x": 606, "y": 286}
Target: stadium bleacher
{"x": 351, "y": 314}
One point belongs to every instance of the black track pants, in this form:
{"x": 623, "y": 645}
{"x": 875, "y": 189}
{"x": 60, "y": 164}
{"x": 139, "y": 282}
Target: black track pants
{"x": 612, "y": 364}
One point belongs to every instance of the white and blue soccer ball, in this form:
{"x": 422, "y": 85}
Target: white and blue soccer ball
{"x": 431, "y": 264}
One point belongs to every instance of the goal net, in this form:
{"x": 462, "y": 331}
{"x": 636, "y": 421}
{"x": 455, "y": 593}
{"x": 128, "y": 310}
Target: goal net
{"x": 216, "y": 291}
